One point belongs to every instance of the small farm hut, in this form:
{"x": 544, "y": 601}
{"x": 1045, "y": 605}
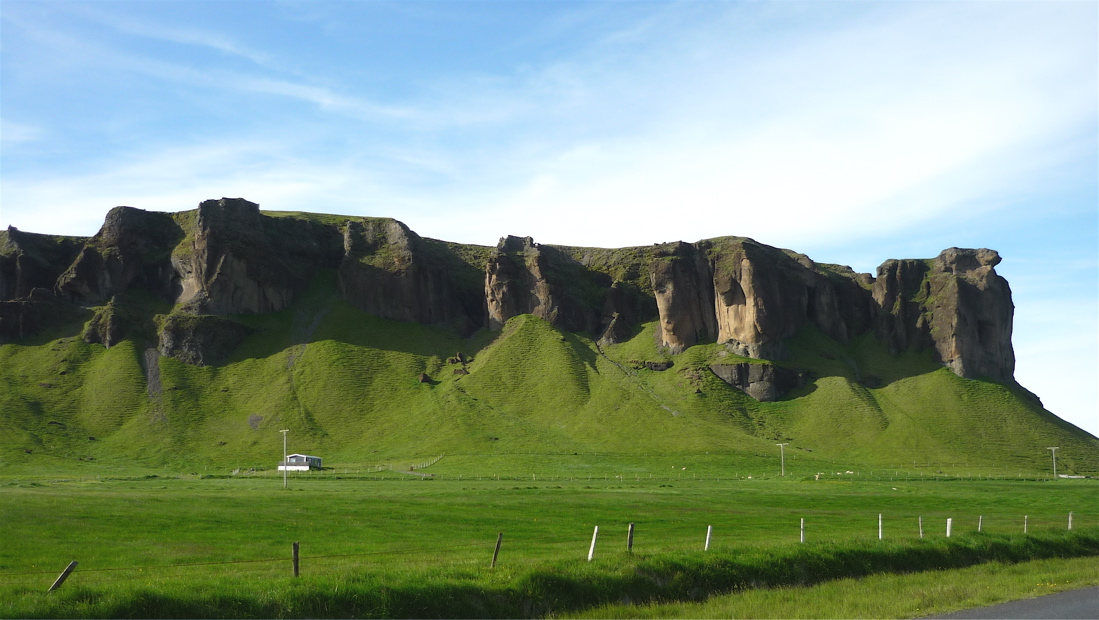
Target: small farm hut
{"x": 300, "y": 462}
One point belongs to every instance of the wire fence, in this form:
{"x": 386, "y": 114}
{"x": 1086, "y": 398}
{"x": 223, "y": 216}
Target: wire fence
{"x": 530, "y": 551}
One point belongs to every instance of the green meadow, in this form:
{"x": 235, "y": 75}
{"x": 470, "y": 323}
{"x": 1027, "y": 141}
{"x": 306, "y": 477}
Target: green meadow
{"x": 402, "y": 546}
{"x": 159, "y": 478}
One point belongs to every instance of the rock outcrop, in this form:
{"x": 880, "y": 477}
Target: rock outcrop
{"x": 955, "y": 304}
{"x": 619, "y": 314}
{"x": 971, "y": 314}
{"x": 30, "y": 261}
{"x": 132, "y": 249}
{"x": 228, "y": 258}
{"x": 681, "y": 281}
{"x": 390, "y": 271}
{"x": 763, "y": 382}
{"x": 230, "y": 264}
{"x": 203, "y": 340}
{"x": 517, "y": 282}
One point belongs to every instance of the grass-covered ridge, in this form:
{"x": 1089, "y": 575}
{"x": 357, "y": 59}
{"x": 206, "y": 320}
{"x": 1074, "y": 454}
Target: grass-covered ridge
{"x": 348, "y": 386}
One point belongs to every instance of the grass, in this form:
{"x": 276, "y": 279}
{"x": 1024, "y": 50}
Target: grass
{"x": 910, "y": 595}
{"x": 350, "y": 392}
{"x": 156, "y": 475}
{"x": 398, "y": 546}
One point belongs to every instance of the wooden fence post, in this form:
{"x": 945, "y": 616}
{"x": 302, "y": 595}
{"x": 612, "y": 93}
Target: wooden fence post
{"x": 980, "y": 522}
{"x": 629, "y": 539}
{"x": 879, "y": 526}
{"x": 591, "y": 551}
{"x": 1025, "y": 518}
{"x": 63, "y": 576}
{"x": 709, "y": 532}
{"x": 1070, "y": 520}
{"x": 496, "y": 553}
{"x": 949, "y": 523}
{"x": 803, "y": 529}
{"x": 295, "y": 559}
{"x": 921, "y": 526}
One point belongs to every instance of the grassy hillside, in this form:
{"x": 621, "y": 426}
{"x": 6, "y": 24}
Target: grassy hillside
{"x": 348, "y": 387}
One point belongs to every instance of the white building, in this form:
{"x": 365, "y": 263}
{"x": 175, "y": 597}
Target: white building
{"x": 300, "y": 462}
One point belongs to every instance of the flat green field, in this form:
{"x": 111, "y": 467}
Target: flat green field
{"x": 402, "y": 545}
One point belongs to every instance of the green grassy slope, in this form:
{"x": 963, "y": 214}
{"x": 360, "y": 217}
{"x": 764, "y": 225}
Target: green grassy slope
{"x": 348, "y": 386}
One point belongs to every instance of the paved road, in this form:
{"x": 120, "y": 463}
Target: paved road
{"x": 1073, "y": 604}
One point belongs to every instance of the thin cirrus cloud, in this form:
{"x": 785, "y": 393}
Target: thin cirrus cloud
{"x": 648, "y": 118}
{"x": 825, "y": 153}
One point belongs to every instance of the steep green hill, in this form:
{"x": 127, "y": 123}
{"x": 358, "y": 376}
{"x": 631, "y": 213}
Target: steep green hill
{"x": 363, "y": 391}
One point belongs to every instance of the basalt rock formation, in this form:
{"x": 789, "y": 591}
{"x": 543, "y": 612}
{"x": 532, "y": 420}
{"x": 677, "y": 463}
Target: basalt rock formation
{"x": 519, "y": 280}
{"x": 956, "y": 304}
{"x": 763, "y": 382}
{"x": 228, "y": 258}
{"x": 390, "y": 271}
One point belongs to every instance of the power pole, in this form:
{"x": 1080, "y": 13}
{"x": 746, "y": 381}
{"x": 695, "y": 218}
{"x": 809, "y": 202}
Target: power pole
{"x": 1054, "y": 451}
{"x": 284, "y": 431}
{"x": 782, "y": 456}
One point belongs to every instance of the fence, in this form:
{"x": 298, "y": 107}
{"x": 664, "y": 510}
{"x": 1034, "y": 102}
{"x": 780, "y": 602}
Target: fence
{"x": 479, "y": 552}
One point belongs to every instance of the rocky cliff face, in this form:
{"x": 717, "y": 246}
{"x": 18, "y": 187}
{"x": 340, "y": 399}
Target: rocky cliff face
{"x": 29, "y": 261}
{"x": 228, "y": 258}
{"x": 132, "y": 249}
{"x": 763, "y": 382}
{"x": 388, "y": 270}
{"x": 681, "y": 282}
{"x": 237, "y": 261}
{"x": 971, "y": 314}
{"x": 518, "y": 281}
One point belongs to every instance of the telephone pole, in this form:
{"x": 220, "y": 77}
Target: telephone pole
{"x": 782, "y": 456}
{"x": 284, "y": 431}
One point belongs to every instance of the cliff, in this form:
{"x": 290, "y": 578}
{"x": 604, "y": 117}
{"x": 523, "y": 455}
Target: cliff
{"x": 227, "y": 258}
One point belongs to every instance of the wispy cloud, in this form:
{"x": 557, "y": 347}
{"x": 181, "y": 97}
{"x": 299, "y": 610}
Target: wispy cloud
{"x": 12, "y": 133}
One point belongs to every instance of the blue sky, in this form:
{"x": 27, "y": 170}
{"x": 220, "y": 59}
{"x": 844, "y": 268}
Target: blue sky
{"x": 851, "y": 131}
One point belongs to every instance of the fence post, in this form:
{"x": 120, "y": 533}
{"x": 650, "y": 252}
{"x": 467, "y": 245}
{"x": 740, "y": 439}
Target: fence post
{"x": 949, "y": 523}
{"x": 295, "y": 559}
{"x": 629, "y": 540}
{"x": 980, "y": 522}
{"x": 709, "y": 532}
{"x": 591, "y": 550}
{"x": 879, "y": 526}
{"x": 1025, "y": 518}
{"x": 1070, "y": 520}
{"x": 496, "y": 553}
{"x": 921, "y": 526}
{"x": 803, "y": 529}
{"x": 63, "y": 576}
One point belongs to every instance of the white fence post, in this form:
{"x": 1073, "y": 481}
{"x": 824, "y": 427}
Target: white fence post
{"x": 1070, "y": 520}
{"x": 803, "y": 529}
{"x": 879, "y": 526}
{"x": 709, "y": 531}
{"x": 591, "y": 551}
{"x": 949, "y": 523}
{"x": 921, "y": 527}
{"x": 980, "y": 522}
{"x": 1025, "y": 518}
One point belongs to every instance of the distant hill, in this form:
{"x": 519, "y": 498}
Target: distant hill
{"x": 171, "y": 338}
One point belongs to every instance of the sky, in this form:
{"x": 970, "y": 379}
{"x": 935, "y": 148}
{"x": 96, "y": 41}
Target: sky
{"x": 853, "y": 132}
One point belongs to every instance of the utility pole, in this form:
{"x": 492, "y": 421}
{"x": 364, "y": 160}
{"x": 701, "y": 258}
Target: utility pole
{"x": 284, "y": 431}
{"x": 782, "y": 456}
{"x": 1054, "y": 451}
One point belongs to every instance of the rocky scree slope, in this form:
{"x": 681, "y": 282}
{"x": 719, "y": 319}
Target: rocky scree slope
{"x": 176, "y": 280}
